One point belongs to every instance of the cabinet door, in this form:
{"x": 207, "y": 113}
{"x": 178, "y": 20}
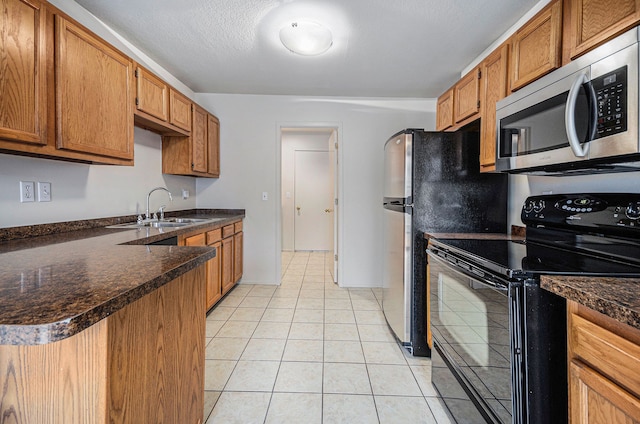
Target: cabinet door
{"x": 214, "y": 286}
{"x": 237, "y": 257}
{"x": 197, "y": 240}
{"x": 179, "y": 110}
{"x": 595, "y": 399}
{"x": 592, "y": 22}
{"x": 23, "y": 71}
{"x": 227, "y": 264}
{"x": 444, "y": 112}
{"x": 494, "y": 71}
{"x": 213, "y": 146}
{"x": 467, "y": 96}
{"x": 536, "y": 47}
{"x": 152, "y": 94}
{"x": 94, "y": 111}
{"x": 199, "y": 140}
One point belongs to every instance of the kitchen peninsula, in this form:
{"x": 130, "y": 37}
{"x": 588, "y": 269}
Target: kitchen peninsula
{"x": 96, "y": 326}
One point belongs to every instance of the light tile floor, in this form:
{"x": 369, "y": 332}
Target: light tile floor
{"x": 308, "y": 351}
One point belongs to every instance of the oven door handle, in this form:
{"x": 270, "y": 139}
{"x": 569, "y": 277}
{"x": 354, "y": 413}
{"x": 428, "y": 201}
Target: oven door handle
{"x": 467, "y": 269}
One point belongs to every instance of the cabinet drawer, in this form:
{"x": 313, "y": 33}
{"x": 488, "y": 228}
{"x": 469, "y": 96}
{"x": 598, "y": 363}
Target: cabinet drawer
{"x": 237, "y": 227}
{"x": 214, "y": 235}
{"x": 606, "y": 352}
{"x": 227, "y": 231}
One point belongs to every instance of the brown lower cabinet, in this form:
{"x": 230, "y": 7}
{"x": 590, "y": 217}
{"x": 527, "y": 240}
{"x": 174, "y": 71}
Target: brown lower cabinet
{"x": 143, "y": 364}
{"x": 225, "y": 270}
{"x": 604, "y": 368}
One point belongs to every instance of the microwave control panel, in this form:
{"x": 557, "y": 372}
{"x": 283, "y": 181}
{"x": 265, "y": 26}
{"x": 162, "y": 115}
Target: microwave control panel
{"x": 611, "y": 97}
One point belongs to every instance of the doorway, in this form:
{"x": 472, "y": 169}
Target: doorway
{"x": 309, "y": 193}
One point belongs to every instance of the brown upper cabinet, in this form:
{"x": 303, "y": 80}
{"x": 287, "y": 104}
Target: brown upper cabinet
{"x": 71, "y": 97}
{"x": 179, "y": 110}
{"x": 466, "y": 97}
{"x": 159, "y": 108}
{"x": 196, "y": 154}
{"x": 460, "y": 104}
{"x": 23, "y": 101}
{"x": 494, "y": 87}
{"x": 93, "y": 92}
{"x": 537, "y": 46}
{"x": 444, "y": 111}
{"x": 589, "y": 23}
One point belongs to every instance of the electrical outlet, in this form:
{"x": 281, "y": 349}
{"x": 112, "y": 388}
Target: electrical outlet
{"x": 265, "y": 195}
{"x": 44, "y": 192}
{"x": 27, "y": 191}
{"x": 185, "y": 193}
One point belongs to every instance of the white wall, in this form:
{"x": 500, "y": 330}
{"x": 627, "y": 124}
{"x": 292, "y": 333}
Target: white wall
{"x": 250, "y": 161}
{"x": 292, "y": 141}
{"x": 82, "y": 191}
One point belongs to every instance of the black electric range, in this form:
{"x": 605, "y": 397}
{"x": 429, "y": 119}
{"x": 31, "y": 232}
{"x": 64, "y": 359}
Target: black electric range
{"x": 500, "y": 335}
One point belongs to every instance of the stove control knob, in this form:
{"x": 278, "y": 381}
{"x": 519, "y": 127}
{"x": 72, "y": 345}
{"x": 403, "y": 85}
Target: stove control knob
{"x": 538, "y": 206}
{"x": 528, "y": 206}
{"x": 633, "y": 210}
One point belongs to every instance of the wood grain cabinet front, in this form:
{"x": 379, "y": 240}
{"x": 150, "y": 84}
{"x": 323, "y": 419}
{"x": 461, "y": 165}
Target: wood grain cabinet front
{"x": 444, "y": 111}
{"x": 537, "y": 46}
{"x": 604, "y": 368}
{"x": 23, "y": 99}
{"x": 93, "y": 93}
{"x": 589, "y": 23}
{"x": 196, "y": 154}
{"x": 495, "y": 80}
{"x": 466, "y": 97}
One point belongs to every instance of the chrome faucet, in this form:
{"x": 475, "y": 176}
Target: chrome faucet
{"x": 147, "y": 215}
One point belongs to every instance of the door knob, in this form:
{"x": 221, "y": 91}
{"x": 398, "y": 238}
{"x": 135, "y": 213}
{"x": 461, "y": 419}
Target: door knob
{"x": 328, "y": 210}
{"x": 298, "y": 209}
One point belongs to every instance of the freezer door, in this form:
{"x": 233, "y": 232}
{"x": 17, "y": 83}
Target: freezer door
{"x": 397, "y": 273}
{"x": 397, "y": 167}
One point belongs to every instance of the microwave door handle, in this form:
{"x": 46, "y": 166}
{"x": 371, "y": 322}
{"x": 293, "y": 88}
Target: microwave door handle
{"x": 570, "y": 120}
{"x": 594, "y": 112}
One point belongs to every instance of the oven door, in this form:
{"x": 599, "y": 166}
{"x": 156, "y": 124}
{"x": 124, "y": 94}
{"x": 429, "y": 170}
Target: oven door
{"x": 475, "y": 322}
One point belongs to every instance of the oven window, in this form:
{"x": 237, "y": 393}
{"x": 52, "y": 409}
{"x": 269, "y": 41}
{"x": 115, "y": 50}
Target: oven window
{"x": 470, "y": 323}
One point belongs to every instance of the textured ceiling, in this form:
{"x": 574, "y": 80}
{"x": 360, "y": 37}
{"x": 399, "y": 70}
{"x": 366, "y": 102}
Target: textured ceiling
{"x": 382, "y": 48}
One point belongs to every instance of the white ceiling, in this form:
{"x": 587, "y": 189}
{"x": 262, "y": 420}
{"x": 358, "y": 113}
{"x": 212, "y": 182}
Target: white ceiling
{"x": 382, "y": 48}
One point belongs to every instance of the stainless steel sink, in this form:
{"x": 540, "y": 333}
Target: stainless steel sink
{"x": 166, "y": 223}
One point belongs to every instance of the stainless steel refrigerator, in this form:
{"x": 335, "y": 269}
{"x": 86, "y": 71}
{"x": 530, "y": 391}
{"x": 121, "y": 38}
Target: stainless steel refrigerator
{"x": 432, "y": 184}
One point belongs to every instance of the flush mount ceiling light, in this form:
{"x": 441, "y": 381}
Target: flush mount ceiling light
{"x": 306, "y": 38}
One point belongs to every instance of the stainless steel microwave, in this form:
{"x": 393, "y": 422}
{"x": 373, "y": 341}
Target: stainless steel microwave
{"x": 581, "y": 118}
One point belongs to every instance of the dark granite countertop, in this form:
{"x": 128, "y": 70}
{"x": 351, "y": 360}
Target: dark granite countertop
{"x": 618, "y": 298}
{"x": 58, "y": 284}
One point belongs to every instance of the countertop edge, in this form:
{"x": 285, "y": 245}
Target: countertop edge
{"x": 613, "y": 297}
{"x": 56, "y": 331}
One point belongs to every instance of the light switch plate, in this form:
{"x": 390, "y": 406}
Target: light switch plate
{"x": 27, "y": 191}
{"x": 44, "y": 192}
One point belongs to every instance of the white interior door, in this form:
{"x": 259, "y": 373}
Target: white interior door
{"x": 313, "y": 193}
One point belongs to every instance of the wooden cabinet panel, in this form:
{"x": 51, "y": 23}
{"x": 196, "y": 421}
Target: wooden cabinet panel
{"x": 93, "y": 94}
{"x": 23, "y": 72}
{"x": 196, "y": 240}
{"x": 214, "y": 235}
{"x": 143, "y": 364}
{"x": 214, "y": 276}
{"x": 495, "y": 79}
{"x": 152, "y": 94}
{"x": 595, "y": 399}
{"x": 213, "y": 146}
{"x": 237, "y": 256}
{"x": 180, "y": 110}
{"x": 226, "y": 258}
{"x": 444, "y": 111}
{"x": 592, "y": 22}
{"x": 604, "y": 368}
{"x": 466, "y": 96}
{"x": 228, "y": 231}
{"x": 199, "y": 140}
{"x": 536, "y": 47}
